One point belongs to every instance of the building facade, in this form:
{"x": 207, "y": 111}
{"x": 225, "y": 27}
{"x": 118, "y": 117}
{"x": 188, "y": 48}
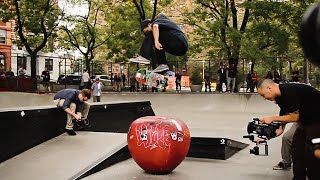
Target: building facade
{"x": 6, "y": 37}
{"x": 56, "y": 65}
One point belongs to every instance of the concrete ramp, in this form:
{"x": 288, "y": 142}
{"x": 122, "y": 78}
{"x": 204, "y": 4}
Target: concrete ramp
{"x": 63, "y": 157}
{"x": 207, "y": 115}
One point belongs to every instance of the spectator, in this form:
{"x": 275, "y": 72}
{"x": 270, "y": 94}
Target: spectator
{"x": 46, "y": 79}
{"x": 2, "y": 71}
{"x": 231, "y": 77}
{"x": 9, "y": 73}
{"x": 117, "y": 80}
{"x": 124, "y": 78}
{"x": 86, "y": 80}
{"x": 154, "y": 86}
{"x": 112, "y": 79}
{"x": 178, "y": 82}
{"x": 21, "y": 71}
{"x": 165, "y": 84}
{"x": 295, "y": 75}
{"x": 133, "y": 82}
{"x": 269, "y": 75}
{"x": 277, "y": 77}
{"x": 207, "y": 83}
{"x": 222, "y": 77}
{"x": 97, "y": 90}
{"x": 249, "y": 81}
{"x": 254, "y": 78}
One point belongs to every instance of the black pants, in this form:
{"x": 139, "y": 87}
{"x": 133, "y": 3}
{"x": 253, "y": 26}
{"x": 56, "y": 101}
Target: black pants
{"x": 253, "y": 85}
{"x": 207, "y": 85}
{"x": 176, "y": 44}
{"x": 154, "y": 89}
{"x": 220, "y": 84}
{"x": 178, "y": 86}
{"x": 304, "y": 161}
{"x": 132, "y": 88}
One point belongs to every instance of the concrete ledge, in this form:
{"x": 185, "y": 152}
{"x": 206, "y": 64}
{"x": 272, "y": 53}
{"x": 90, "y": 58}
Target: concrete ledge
{"x": 23, "y": 128}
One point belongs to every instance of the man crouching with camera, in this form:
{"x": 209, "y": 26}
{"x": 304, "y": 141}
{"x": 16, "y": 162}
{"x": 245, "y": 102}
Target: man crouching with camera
{"x": 299, "y": 103}
{"x": 73, "y": 102}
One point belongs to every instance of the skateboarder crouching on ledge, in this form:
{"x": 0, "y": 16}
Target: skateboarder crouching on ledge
{"x": 73, "y": 102}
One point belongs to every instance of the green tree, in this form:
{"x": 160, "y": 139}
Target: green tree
{"x": 273, "y": 32}
{"x": 36, "y": 22}
{"x": 88, "y": 32}
{"x": 127, "y": 37}
{"x": 218, "y": 26}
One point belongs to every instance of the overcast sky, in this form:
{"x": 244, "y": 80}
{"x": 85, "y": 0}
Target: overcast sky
{"x": 73, "y": 9}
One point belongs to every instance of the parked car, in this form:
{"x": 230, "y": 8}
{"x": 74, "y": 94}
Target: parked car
{"x": 105, "y": 79}
{"x": 69, "y": 79}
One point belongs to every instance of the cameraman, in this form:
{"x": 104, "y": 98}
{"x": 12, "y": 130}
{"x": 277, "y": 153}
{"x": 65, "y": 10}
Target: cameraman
{"x": 300, "y": 103}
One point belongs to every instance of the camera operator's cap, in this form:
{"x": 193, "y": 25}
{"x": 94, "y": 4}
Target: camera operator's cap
{"x": 145, "y": 23}
{"x": 315, "y": 141}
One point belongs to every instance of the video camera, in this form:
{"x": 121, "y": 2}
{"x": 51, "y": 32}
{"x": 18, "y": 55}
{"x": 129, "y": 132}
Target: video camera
{"x": 81, "y": 124}
{"x": 263, "y": 131}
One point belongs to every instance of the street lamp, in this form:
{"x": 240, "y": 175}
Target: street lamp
{"x": 64, "y": 57}
{"x": 203, "y": 69}
{"x": 65, "y": 70}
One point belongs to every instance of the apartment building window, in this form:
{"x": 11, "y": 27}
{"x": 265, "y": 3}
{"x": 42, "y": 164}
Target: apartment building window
{"x": 22, "y": 61}
{"x": 3, "y": 36}
{"x": 49, "y": 64}
{"x": 2, "y": 60}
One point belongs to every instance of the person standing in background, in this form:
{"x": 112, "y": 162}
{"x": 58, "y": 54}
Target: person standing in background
{"x": 46, "y": 79}
{"x": 97, "y": 90}
{"x": 178, "y": 82}
{"x": 86, "y": 79}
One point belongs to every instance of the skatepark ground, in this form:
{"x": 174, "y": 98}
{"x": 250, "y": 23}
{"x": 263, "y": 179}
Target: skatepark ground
{"x": 207, "y": 115}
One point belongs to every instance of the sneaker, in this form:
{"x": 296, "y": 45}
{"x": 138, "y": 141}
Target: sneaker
{"x": 282, "y": 166}
{"x": 140, "y": 60}
{"x": 161, "y": 68}
{"x": 71, "y": 132}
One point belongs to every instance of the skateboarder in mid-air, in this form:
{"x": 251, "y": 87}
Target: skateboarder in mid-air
{"x": 161, "y": 35}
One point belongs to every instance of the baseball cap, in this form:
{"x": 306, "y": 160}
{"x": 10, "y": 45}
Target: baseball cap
{"x": 145, "y": 23}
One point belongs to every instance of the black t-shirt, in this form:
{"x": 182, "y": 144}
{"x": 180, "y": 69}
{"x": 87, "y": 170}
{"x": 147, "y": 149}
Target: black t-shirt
{"x": 46, "y": 76}
{"x": 232, "y": 71}
{"x": 167, "y": 27}
{"x": 295, "y": 75}
{"x": 296, "y": 97}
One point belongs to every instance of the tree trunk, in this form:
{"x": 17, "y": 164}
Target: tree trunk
{"x": 88, "y": 64}
{"x": 34, "y": 71}
{"x": 305, "y": 71}
{"x": 281, "y": 69}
